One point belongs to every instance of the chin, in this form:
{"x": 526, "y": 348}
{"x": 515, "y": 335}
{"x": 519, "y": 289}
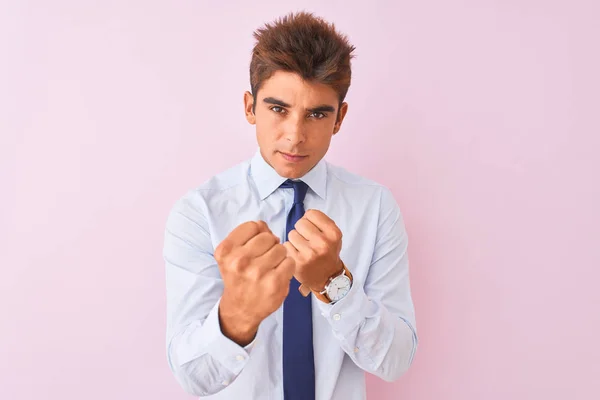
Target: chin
{"x": 290, "y": 172}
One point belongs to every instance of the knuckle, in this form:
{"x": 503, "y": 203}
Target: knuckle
{"x": 248, "y": 225}
{"x": 266, "y": 236}
{"x": 254, "y": 275}
{"x": 250, "y": 228}
{"x": 337, "y": 234}
{"x": 271, "y": 238}
{"x": 255, "y": 228}
{"x": 263, "y": 224}
{"x": 270, "y": 287}
{"x": 239, "y": 262}
{"x": 260, "y": 226}
{"x": 222, "y": 249}
{"x": 321, "y": 247}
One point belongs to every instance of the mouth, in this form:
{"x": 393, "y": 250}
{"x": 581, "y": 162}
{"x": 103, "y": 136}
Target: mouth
{"x": 293, "y": 157}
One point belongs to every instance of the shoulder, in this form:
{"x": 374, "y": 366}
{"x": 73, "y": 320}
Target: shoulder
{"x": 195, "y": 200}
{"x": 344, "y": 178}
{"x": 225, "y": 180}
{"x": 361, "y": 188}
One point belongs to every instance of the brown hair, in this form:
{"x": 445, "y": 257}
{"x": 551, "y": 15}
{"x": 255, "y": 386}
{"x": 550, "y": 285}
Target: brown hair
{"x": 306, "y": 45}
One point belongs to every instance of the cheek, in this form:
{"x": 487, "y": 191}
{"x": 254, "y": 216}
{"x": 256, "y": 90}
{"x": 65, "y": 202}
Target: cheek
{"x": 270, "y": 129}
{"x": 322, "y": 134}
{"x": 266, "y": 119}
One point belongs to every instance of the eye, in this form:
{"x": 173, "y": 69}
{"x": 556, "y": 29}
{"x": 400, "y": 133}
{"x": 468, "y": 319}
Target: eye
{"x": 278, "y": 110}
{"x": 317, "y": 115}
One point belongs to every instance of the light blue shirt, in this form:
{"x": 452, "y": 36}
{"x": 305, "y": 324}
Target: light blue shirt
{"x": 372, "y": 329}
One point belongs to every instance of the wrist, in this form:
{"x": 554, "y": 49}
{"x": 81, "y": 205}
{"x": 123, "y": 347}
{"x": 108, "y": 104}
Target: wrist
{"x": 338, "y": 271}
{"x": 236, "y": 325}
{"x": 337, "y": 286}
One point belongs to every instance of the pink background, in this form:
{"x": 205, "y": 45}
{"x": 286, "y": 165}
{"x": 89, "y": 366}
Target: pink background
{"x": 482, "y": 116}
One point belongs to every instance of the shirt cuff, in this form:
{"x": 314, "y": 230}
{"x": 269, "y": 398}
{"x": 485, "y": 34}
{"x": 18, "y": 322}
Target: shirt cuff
{"x": 346, "y": 315}
{"x": 233, "y": 356}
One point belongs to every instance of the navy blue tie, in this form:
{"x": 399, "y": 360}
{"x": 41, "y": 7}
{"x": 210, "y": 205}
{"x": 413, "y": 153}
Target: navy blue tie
{"x": 298, "y": 357}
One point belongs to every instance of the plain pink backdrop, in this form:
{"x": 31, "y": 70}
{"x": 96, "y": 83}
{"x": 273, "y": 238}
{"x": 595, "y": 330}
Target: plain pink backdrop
{"x": 481, "y": 116}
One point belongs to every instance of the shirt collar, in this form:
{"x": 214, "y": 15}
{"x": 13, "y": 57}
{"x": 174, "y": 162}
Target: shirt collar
{"x": 267, "y": 180}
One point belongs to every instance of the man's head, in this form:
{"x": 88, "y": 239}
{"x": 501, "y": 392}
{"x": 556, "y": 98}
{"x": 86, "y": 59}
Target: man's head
{"x": 299, "y": 75}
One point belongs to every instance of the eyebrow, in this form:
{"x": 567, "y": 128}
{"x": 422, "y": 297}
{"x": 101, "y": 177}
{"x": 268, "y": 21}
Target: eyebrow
{"x": 277, "y": 102}
{"x": 322, "y": 108}
{"x": 281, "y": 103}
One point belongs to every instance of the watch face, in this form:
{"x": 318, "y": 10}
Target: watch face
{"x": 338, "y": 288}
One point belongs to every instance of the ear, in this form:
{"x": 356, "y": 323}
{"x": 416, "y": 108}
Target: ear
{"x": 340, "y": 118}
{"x": 248, "y": 105}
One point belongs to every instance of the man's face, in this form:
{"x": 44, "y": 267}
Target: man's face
{"x": 295, "y": 121}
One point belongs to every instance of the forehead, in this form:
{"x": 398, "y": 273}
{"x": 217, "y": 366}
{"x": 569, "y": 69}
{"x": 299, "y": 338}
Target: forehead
{"x": 291, "y": 88}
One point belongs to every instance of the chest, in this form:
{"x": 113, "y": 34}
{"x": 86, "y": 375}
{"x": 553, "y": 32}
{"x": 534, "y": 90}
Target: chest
{"x": 357, "y": 221}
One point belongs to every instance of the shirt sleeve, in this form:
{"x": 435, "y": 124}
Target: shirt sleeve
{"x": 203, "y": 360}
{"x": 375, "y": 322}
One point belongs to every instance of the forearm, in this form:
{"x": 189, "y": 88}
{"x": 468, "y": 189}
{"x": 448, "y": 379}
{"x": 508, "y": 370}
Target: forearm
{"x": 203, "y": 360}
{"x": 378, "y": 341}
{"x": 379, "y": 328}
{"x": 236, "y": 325}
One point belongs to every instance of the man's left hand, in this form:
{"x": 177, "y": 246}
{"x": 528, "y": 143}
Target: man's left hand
{"x": 315, "y": 245}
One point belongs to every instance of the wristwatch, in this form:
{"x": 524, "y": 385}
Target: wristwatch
{"x": 336, "y": 288}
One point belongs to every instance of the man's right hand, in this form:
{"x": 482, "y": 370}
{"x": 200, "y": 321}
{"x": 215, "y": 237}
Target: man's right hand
{"x": 256, "y": 273}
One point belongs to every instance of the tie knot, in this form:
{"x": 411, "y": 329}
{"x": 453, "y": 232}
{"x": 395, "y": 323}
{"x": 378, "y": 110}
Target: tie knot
{"x": 300, "y": 189}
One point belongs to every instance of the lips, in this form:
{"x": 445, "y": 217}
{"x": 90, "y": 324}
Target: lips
{"x": 293, "y": 157}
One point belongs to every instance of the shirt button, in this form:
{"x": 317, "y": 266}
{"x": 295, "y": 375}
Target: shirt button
{"x": 225, "y": 383}
{"x": 337, "y": 317}
{"x": 356, "y": 349}
{"x": 240, "y": 358}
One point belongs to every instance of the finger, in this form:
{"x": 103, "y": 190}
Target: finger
{"x": 291, "y": 250}
{"x": 272, "y": 258}
{"x": 318, "y": 218}
{"x": 324, "y": 224}
{"x": 262, "y": 226}
{"x": 307, "y": 229}
{"x": 286, "y": 269}
{"x": 260, "y": 244}
{"x": 243, "y": 233}
{"x": 299, "y": 242}
{"x": 304, "y": 290}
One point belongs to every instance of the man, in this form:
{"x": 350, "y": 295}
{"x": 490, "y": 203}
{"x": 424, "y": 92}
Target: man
{"x": 287, "y": 277}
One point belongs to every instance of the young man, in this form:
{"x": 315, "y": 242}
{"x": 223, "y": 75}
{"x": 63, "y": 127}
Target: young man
{"x": 287, "y": 277}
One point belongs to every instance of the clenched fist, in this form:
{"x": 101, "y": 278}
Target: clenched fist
{"x": 256, "y": 274}
{"x": 315, "y": 244}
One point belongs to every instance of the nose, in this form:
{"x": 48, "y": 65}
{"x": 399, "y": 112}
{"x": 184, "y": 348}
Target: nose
{"x": 294, "y": 130}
